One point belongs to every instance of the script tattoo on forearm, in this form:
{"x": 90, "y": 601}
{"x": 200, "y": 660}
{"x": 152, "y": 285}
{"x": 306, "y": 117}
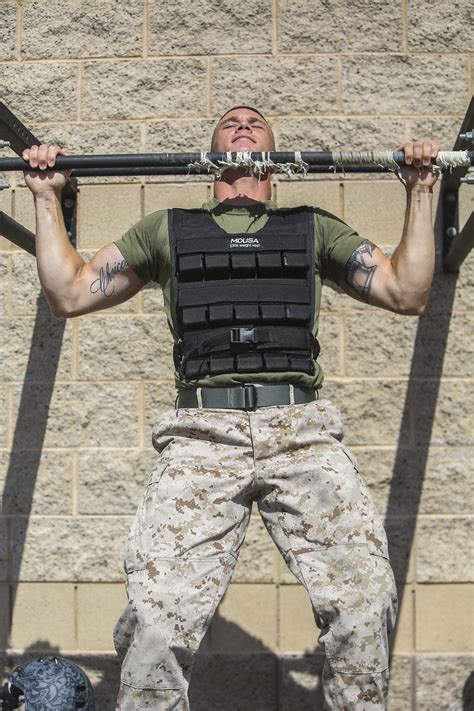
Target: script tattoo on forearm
{"x": 106, "y": 276}
{"x": 357, "y": 274}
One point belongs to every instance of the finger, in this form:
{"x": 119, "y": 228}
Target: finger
{"x": 42, "y": 156}
{"x": 427, "y": 152}
{"x": 34, "y": 156}
{"x": 26, "y": 154}
{"x": 51, "y": 155}
{"x": 417, "y": 153}
{"x": 408, "y": 150}
{"x": 435, "y": 146}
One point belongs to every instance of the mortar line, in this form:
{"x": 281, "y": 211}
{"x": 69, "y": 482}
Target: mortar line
{"x": 145, "y": 29}
{"x": 274, "y": 27}
{"x": 74, "y": 483}
{"x": 79, "y": 84}
{"x": 404, "y": 9}
{"x": 141, "y": 414}
{"x": 209, "y": 78}
{"x": 19, "y": 32}
{"x": 339, "y": 85}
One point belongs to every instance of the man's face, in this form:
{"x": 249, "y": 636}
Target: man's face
{"x": 242, "y": 129}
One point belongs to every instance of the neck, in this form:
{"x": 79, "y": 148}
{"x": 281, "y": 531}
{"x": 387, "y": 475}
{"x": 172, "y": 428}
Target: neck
{"x": 240, "y": 188}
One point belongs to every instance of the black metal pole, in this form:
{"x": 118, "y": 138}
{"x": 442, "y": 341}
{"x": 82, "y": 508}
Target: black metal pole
{"x": 172, "y": 160}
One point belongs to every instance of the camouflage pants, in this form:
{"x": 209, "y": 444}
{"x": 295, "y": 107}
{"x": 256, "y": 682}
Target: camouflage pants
{"x": 186, "y": 536}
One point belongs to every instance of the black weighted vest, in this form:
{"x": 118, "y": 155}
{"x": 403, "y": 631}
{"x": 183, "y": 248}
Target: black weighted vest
{"x": 243, "y": 303}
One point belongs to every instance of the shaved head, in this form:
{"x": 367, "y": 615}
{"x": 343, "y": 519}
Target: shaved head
{"x": 234, "y": 113}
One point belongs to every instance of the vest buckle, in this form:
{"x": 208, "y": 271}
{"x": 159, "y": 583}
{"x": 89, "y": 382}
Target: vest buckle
{"x": 244, "y": 334}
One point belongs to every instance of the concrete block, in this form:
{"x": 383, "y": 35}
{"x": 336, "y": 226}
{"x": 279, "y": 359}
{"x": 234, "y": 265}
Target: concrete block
{"x": 402, "y": 634}
{"x": 84, "y": 549}
{"x": 400, "y": 686}
{"x": 8, "y": 31}
{"x": 442, "y": 130}
{"x": 442, "y": 550}
{"x": 372, "y": 409}
{"x": 3, "y": 415}
{"x": 24, "y": 211}
{"x": 444, "y": 618}
{"x": 257, "y": 558}
{"x": 322, "y": 194}
{"x": 246, "y": 619}
{"x": 452, "y": 291}
{"x": 427, "y": 347}
{"x": 153, "y": 299}
{"x": 411, "y": 481}
{"x": 36, "y": 482}
{"x": 106, "y": 212}
{"x": 39, "y": 349}
{"x": 179, "y": 135}
{"x": 5, "y": 606}
{"x": 112, "y": 481}
{"x": 233, "y": 682}
{"x": 37, "y": 91}
{"x": 443, "y": 413}
{"x": 400, "y": 534}
{"x": 43, "y": 612}
{"x": 89, "y": 415}
{"x": 26, "y": 296}
{"x": 145, "y": 351}
{"x": 283, "y": 85}
{"x": 82, "y": 29}
{"x": 300, "y": 681}
{"x": 4, "y": 284}
{"x": 338, "y": 133}
{"x": 104, "y": 137}
{"x": 305, "y": 26}
{"x": 6, "y": 206}
{"x": 223, "y": 29}
{"x": 159, "y": 397}
{"x": 365, "y": 88}
{"x": 449, "y": 30}
{"x": 297, "y": 628}
{"x": 329, "y": 337}
{"x": 98, "y": 608}
{"x": 3, "y": 549}
{"x": 363, "y": 201}
{"x": 391, "y": 338}
{"x": 446, "y": 678}
{"x": 144, "y": 89}
{"x": 165, "y": 196}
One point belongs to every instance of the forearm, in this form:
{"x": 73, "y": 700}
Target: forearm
{"x": 414, "y": 258}
{"x": 57, "y": 261}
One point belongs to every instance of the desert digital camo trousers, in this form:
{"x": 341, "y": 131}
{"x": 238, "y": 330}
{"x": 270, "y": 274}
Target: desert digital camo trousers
{"x": 190, "y": 525}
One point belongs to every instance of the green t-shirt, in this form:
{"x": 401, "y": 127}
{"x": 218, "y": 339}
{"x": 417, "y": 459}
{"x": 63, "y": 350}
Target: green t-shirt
{"x": 146, "y": 248}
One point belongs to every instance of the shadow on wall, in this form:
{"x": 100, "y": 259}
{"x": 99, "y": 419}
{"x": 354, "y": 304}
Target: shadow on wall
{"x": 255, "y": 680}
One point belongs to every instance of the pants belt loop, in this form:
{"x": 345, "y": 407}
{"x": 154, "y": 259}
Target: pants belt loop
{"x": 292, "y": 394}
{"x": 199, "y": 397}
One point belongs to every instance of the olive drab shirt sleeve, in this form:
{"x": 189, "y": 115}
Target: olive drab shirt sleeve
{"x": 335, "y": 243}
{"x": 145, "y": 244}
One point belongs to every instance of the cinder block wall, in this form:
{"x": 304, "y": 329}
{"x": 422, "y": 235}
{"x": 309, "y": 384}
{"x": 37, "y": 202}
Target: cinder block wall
{"x": 79, "y": 397}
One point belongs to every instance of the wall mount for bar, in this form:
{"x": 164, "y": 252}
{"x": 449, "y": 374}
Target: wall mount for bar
{"x": 456, "y": 243}
{"x": 18, "y": 138}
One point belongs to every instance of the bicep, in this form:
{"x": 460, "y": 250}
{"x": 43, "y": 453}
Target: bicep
{"x": 368, "y": 276}
{"x": 105, "y": 281}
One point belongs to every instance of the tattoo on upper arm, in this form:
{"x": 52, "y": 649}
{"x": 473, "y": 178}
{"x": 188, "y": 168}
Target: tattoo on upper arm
{"x": 357, "y": 274}
{"x": 106, "y": 276}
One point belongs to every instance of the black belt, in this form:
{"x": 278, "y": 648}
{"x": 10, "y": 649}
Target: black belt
{"x": 245, "y": 397}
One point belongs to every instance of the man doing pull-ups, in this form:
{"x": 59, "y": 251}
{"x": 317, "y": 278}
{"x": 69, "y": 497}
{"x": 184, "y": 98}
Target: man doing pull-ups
{"x": 241, "y": 281}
